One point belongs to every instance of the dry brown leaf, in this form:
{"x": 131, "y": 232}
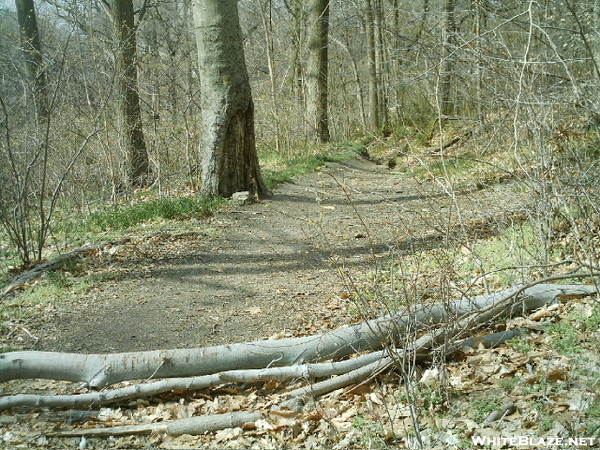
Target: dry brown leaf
{"x": 558, "y": 375}
{"x": 341, "y": 425}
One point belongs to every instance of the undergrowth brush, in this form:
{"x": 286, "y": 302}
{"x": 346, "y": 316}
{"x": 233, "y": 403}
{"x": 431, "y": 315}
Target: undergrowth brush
{"x": 556, "y": 227}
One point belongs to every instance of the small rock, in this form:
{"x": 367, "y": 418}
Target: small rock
{"x": 243, "y": 197}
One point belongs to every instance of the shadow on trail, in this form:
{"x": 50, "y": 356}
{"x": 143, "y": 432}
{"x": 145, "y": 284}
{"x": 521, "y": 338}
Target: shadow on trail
{"x": 212, "y": 266}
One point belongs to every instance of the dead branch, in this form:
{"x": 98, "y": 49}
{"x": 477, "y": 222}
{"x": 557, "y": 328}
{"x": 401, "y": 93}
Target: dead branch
{"x": 351, "y": 371}
{"x": 191, "y": 425}
{"x": 53, "y": 264}
{"x": 302, "y": 371}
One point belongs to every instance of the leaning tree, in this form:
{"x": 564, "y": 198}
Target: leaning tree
{"x": 229, "y": 157}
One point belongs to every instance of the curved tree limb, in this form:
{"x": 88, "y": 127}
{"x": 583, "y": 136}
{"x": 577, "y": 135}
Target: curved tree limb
{"x": 350, "y": 371}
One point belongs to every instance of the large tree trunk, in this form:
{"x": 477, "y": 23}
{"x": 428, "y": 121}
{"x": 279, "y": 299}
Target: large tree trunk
{"x": 32, "y": 49}
{"x": 380, "y": 63}
{"x": 229, "y": 158}
{"x": 130, "y": 116}
{"x": 317, "y": 70}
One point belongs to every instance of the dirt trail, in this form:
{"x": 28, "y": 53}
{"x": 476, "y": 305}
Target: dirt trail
{"x": 253, "y": 271}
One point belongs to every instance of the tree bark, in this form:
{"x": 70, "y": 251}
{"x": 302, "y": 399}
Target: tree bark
{"x": 359, "y": 91}
{"x": 130, "y": 115}
{"x": 31, "y": 46}
{"x": 296, "y": 10}
{"x": 380, "y": 63}
{"x": 269, "y": 53}
{"x": 229, "y": 157}
{"x": 317, "y": 70}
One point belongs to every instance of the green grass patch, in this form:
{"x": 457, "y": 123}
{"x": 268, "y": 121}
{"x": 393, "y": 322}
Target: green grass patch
{"x": 520, "y": 344}
{"x": 56, "y": 289}
{"x": 179, "y": 208}
{"x": 480, "y": 409}
{"x": 592, "y": 322}
{"x": 564, "y": 338}
{"x": 515, "y": 246}
{"x": 280, "y": 168}
{"x": 509, "y": 384}
{"x": 569, "y": 335}
{"x": 592, "y": 413}
{"x": 501, "y": 259}
{"x": 452, "y": 167}
{"x": 369, "y": 432}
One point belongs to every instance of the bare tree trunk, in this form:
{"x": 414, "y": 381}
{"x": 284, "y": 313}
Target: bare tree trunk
{"x": 32, "y": 49}
{"x": 380, "y": 64}
{"x": 270, "y": 49}
{"x": 479, "y": 26}
{"x": 374, "y": 120}
{"x": 445, "y": 99}
{"x": 130, "y": 116}
{"x": 359, "y": 90}
{"x": 296, "y": 9}
{"x": 318, "y": 69}
{"x": 230, "y": 161}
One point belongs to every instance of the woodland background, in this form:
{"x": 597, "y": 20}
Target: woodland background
{"x": 516, "y": 77}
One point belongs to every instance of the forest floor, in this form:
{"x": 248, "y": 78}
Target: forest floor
{"x": 315, "y": 256}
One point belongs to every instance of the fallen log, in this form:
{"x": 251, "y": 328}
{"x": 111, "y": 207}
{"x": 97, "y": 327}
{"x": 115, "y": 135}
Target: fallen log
{"x": 100, "y": 370}
{"x": 464, "y": 314}
{"x": 350, "y": 371}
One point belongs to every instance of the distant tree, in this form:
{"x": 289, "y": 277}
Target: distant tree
{"x": 31, "y": 45}
{"x": 447, "y": 67}
{"x": 130, "y": 116}
{"x": 296, "y": 11}
{"x": 317, "y": 69}
{"x": 374, "y": 119}
{"x": 229, "y": 157}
